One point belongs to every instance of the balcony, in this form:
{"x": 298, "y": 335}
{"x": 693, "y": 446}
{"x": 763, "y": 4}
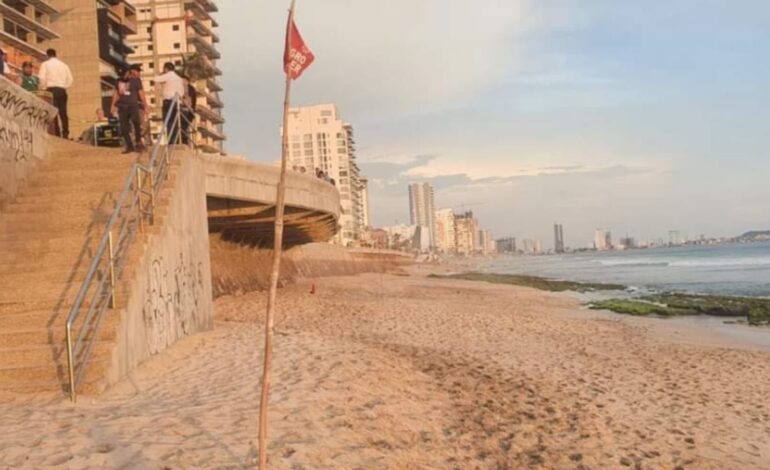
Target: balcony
{"x": 202, "y": 45}
{"x": 209, "y": 132}
{"x": 15, "y": 16}
{"x": 22, "y": 46}
{"x": 212, "y": 84}
{"x": 209, "y": 114}
{"x": 43, "y": 6}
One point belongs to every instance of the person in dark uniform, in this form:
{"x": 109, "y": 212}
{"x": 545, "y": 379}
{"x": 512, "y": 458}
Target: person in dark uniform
{"x": 126, "y": 101}
{"x": 188, "y": 113}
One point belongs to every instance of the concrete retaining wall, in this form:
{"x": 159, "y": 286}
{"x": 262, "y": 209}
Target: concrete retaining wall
{"x": 23, "y": 137}
{"x": 241, "y": 268}
{"x": 170, "y": 294}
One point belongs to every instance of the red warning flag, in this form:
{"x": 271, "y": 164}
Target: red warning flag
{"x": 296, "y": 55}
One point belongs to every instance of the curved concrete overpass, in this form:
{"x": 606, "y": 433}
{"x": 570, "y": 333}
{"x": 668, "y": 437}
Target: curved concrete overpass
{"x": 240, "y": 199}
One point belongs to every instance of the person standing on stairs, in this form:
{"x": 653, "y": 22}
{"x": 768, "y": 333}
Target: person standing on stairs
{"x": 126, "y": 101}
{"x": 56, "y": 77}
{"x": 173, "y": 91}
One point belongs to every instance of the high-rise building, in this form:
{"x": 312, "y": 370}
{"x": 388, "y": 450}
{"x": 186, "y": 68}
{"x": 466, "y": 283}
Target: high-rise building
{"x": 558, "y": 238}
{"x": 422, "y": 210}
{"x": 506, "y": 245}
{"x": 182, "y": 32}
{"x": 364, "y": 189}
{"x": 445, "y": 231}
{"x": 602, "y": 239}
{"x": 319, "y": 139}
{"x": 466, "y": 233}
{"x": 27, "y": 29}
{"x": 92, "y": 40}
{"x": 486, "y": 242}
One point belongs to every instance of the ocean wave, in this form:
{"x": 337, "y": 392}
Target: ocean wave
{"x": 685, "y": 263}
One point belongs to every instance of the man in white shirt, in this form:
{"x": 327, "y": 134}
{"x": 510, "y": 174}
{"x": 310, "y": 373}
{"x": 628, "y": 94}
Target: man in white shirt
{"x": 172, "y": 91}
{"x": 55, "y": 76}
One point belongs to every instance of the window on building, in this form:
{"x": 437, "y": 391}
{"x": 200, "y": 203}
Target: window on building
{"x": 149, "y": 30}
{"x": 178, "y": 63}
{"x": 342, "y": 151}
{"x": 308, "y": 153}
{"x": 308, "y": 145}
{"x": 296, "y": 146}
{"x": 175, "y": 27}
{"x": 343, "y": 173}
{"x": 326, "y": 112}
{"x": 149, "y": 47}
{"x": 294, "y": 138}
{"x": 177, "y": 45}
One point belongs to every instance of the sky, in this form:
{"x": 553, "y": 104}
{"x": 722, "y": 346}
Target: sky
{"x": 638, "y": 116}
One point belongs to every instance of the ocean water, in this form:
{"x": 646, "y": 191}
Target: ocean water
{"x": 730, "y": 269}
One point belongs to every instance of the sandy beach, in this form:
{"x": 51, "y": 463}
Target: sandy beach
{"x": 405, "y": 372}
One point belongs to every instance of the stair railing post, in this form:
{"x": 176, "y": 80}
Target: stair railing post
{"x": 113, "y": 282}
{"x": 70, "y": 364}
{"x": 152, "y": 198}
{"x": 139, "y": 197}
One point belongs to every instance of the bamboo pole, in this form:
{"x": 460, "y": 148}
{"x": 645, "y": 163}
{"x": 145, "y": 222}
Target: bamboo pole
{"x": 274, "y": 274}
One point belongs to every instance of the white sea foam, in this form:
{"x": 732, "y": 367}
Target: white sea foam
{"x": 686, "y": 263}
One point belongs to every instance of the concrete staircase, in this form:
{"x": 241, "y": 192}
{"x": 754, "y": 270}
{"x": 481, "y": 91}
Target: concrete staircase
{"x": 47, "y": 240}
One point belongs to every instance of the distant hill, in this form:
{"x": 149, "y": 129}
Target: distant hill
{"x": 754, "y": 236}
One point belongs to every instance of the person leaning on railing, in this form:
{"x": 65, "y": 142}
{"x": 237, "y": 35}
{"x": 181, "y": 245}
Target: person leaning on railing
{"x": 172, "y": 90}
{"x": 188, "y": 109}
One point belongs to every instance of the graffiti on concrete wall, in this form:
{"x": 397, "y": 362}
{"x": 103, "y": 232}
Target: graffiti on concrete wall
{"x": 172, "y": 301}
{"x": 24, "y": 119}
{"x": 17, "y": 143}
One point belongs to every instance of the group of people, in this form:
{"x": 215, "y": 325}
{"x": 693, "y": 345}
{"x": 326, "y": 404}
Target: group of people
{"x": 55, "y": 77}
{"x": 319, "y": 173}
{"x": 129, "y": 102}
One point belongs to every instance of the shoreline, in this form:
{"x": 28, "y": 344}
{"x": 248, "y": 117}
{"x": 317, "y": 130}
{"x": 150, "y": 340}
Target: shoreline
{"x": 402, "y": 371}
{"x": 753, "y": 311}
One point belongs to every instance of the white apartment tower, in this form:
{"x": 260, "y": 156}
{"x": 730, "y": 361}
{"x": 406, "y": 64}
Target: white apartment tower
{"x": 422, "y": 210}
{"x": 319, "y": 139}
{"x": 446, "y": 240}
{"x": 182, "y": 32}
{"x": 364, "y": 186}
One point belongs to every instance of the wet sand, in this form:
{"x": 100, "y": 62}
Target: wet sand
{"x": 404, "y": 372}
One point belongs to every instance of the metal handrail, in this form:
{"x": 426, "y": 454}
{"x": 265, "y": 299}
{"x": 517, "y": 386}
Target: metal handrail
{"x": 134, "y": 206}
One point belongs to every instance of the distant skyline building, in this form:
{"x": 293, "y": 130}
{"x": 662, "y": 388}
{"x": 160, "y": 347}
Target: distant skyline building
{"x": 531, "y": 246}
{"x": 422, "y": 209}
{"x": 487, "y": 242}
{"x": 602, "y": 239}
{"x": 558, "y": 238}
{"x": 364, "y": 189}
{"x": 466, "y": 230}
{"x": 445, "y": 231}
{"x": 318, "y": 138}
{"x": 506, "y": 245}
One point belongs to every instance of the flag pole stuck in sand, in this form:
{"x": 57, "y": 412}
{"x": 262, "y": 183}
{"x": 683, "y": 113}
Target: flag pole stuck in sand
{"x": 296, "y": 58}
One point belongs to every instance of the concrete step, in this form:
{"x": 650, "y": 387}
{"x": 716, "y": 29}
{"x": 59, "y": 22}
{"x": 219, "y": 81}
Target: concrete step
{"x": 55, "y": 334}
{"x": 50, "y": 294}
{"x": 53, "y": 377}
{"x": 35, "y": 356}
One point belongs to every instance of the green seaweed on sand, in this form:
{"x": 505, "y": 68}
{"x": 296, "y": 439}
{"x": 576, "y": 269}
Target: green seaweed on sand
{"x": 532, "y": 281}
{"x": 755, "y": 309}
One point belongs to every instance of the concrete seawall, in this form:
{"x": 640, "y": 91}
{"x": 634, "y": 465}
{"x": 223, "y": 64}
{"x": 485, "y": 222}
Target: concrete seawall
{"x": 171, "y": 289}
{"x": 241, "y": 268}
